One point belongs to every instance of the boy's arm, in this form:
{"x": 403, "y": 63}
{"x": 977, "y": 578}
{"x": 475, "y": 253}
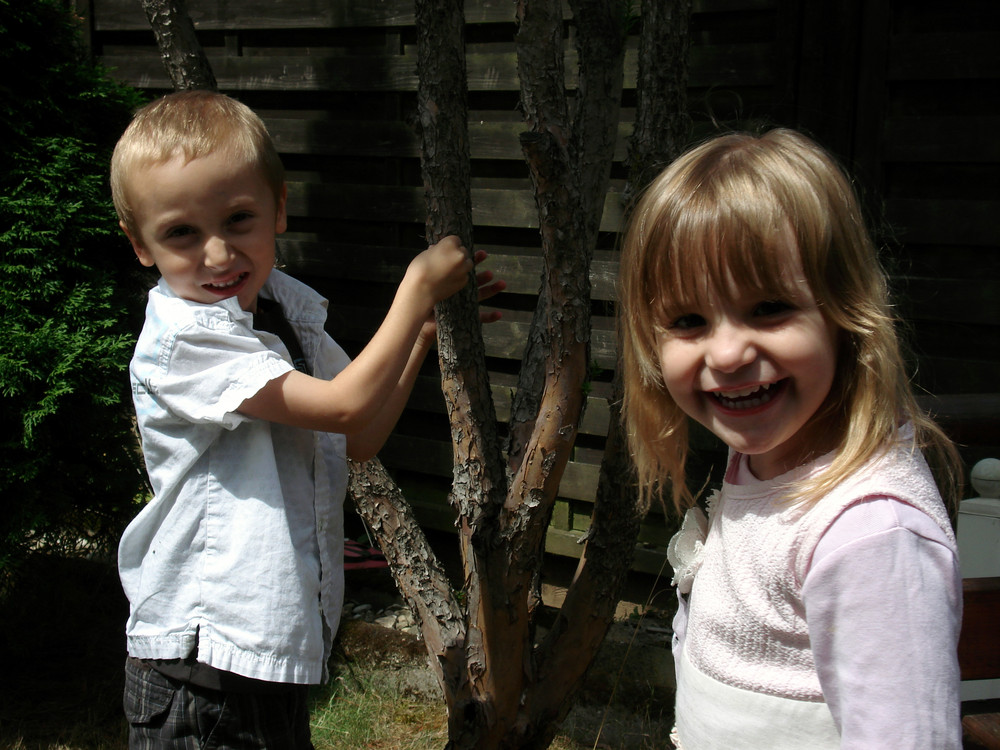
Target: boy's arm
{"x": 355, "y": 397}
{"x": 364, "y": 444}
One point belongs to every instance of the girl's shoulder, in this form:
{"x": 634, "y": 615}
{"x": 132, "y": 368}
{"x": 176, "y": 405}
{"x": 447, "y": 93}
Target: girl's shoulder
{"x": 876, "y": 516}
{"x": 899, "y": 470}
{"x": 899, "y": 473}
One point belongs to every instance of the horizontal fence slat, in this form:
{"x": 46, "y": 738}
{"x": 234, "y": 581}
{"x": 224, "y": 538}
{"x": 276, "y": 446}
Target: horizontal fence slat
{"x": 521, "y": 268}
{"x": 953, "y": 300}
{"x": 970, "y": 55}
{"x": 390, "y": 203}
{"x": 942, "y": 221}
{"x": 503, "y": 339}
{"x": 427, "y": 397}
{"x": 942, "y": 139}
{"x": 396, "y": 139}
{"x": 718, "y": 65}
{"x": 127, "y": 15}
{"x": 426, "y": 455}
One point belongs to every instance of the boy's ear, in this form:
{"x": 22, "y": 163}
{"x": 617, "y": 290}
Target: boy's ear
{"x": 141, "y": 253}
{"x": 281, "y": 218}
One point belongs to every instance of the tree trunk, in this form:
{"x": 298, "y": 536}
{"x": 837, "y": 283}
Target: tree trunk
{"x": 419, "y": 576}
{"x": 518, "y": 694}
{"x": 180, "y": 50}
{"x": 479, "y": 483}
{"x": 503, "y": 691}
{"x": 662, "y": 124}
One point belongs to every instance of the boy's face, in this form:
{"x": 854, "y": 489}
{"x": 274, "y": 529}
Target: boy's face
{"x": 208, "y": 226}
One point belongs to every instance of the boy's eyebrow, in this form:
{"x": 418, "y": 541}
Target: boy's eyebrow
{"x": 174, "y": 220}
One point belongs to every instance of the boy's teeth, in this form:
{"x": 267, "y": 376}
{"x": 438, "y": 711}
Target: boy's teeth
{"x": 228, "y": 284}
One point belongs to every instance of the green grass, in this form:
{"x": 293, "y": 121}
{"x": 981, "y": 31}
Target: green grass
{"x": 364, "y": 711}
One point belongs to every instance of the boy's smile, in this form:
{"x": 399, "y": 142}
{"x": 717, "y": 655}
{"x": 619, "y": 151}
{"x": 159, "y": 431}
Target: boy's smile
{"x": 208, "y": 225}
{"x": 755, "y": 372}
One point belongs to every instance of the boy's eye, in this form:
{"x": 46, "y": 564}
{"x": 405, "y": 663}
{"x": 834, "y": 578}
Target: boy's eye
{"x": 181, "y": 231}
{"x": 771, "y": 307}
{"x": 687, "y": 322}
{"x": 239, "y": 216}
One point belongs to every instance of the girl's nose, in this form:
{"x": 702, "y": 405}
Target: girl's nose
{"x": 730, "y": 347}
{"x": 217, "y": 253}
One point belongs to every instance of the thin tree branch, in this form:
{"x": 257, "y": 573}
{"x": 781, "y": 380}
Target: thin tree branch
{"x": 180, "y": 50}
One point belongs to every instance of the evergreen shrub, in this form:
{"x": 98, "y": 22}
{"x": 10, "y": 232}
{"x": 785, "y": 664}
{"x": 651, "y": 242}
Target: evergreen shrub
{"x": 69, "y": 294}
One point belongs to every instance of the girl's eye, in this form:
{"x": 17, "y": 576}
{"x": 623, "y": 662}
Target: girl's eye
{"x": 687, "y": 322}
{"x": 771, "y": 307}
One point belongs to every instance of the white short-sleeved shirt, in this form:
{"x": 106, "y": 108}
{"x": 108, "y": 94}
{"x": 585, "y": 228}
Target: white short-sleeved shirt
{"x": 239, "y": 553}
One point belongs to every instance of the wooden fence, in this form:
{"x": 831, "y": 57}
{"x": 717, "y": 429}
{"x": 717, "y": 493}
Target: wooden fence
{"x": 897, "y": 89}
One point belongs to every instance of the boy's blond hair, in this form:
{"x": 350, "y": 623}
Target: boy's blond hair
{"x": 193, "y": 124}
{"x": 722, "y": 211}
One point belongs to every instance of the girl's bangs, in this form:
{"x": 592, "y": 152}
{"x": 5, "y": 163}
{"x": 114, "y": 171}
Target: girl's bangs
{"x": 719, "y": 253}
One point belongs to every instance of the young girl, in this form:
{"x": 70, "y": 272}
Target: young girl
{"x": 821, "y": 598}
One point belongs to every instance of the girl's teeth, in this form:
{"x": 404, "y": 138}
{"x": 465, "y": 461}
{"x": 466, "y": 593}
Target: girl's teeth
{"x": 746, "y": 398}
{"x": 744, "y": 392}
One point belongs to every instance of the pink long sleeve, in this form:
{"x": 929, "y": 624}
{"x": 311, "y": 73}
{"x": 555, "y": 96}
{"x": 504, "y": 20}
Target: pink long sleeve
{"x": 883, "y": 604}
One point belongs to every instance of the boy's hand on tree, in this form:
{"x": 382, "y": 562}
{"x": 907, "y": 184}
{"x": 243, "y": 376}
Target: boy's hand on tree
{"x": 442, "y": 269}
{"x": 487, "y": 287}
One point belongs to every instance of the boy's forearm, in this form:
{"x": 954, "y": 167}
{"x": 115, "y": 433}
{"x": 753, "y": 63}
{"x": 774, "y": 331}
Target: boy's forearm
{"x": 366, "y": 443}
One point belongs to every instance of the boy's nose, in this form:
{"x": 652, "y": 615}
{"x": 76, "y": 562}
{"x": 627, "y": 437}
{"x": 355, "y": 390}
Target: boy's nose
{"x": 217, "y": 252}
{"x": 729, "y": 348}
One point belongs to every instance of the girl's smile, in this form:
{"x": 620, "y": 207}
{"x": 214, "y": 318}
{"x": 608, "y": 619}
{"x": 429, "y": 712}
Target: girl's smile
{"x": 754, "y": 371}
{"x": 745, "y": 399}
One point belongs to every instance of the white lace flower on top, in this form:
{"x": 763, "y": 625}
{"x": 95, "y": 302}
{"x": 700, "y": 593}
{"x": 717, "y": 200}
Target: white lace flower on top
{"x": 685, "y": 549}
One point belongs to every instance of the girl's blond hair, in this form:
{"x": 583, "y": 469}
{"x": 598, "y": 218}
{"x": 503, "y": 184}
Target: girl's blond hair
{"x": 721, "y": 211}
{"x": 193, "y": 124}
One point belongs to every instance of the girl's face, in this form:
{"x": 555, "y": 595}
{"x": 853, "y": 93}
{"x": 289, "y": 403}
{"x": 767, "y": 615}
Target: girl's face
{"x": 755, "y": 370}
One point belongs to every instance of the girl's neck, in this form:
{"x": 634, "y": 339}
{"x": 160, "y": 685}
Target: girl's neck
{"x": 817, "y": 438}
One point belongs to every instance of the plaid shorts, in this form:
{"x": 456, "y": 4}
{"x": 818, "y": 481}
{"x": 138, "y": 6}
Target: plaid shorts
{"x": 167, "y": 714}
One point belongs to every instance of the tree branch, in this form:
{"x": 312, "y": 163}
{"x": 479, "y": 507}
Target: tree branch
{"x": 417, "y": 573}
{"x": 662, "y": 123}
{"x": 180, "y": 50}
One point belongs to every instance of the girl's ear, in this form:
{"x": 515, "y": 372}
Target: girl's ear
{"x": 144, "y": 256}
{"x": 281, "y": 217}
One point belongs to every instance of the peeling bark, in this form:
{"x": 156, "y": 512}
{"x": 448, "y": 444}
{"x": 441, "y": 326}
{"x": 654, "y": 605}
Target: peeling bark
{"x": 180, "y": 50}
{"x": 479, "y": 481}
{"x": 416, "y": 570}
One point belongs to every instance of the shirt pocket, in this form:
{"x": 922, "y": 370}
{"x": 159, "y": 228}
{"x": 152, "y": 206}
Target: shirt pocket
{"x": 148, "y": 694}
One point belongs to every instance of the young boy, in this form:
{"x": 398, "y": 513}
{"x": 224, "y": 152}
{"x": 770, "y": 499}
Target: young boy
{"x": 246, "y": 409}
